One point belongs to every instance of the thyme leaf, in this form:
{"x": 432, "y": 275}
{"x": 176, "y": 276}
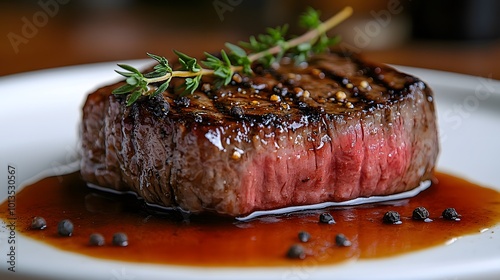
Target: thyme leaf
{"x": 161, "y": 69}
{"x": 310, "y": 18}
{"x": 188, "y": 63}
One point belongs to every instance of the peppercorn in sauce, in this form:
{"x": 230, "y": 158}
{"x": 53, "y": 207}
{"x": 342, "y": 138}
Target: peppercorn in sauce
{"x": 120, "y": 227}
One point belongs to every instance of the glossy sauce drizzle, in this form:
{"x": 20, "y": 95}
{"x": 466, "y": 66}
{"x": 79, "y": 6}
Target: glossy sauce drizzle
{"x": 217, "y": 241}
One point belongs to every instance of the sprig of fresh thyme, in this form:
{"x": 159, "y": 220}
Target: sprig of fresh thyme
{"x": 265, "y": 48}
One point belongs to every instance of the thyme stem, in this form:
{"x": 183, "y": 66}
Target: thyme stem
{"x": 180, "y": 74}
{"x": 310, "y": 36}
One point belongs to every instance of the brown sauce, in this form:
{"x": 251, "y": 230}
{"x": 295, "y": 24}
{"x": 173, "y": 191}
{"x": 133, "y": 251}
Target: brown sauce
{"x": 216, "y": 241}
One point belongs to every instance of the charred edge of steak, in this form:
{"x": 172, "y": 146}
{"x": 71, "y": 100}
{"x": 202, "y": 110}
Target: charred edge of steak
{"x": 337, "y": 129}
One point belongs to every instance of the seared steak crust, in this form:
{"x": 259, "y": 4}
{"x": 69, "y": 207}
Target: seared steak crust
{"x": 333, "y": 130}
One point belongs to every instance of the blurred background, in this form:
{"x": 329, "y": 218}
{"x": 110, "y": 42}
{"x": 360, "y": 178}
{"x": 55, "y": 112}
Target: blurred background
{"x": 460, "y": 36}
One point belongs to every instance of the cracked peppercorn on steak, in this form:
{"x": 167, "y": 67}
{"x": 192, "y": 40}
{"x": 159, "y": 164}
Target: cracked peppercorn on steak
{"x": 335, "y": 129}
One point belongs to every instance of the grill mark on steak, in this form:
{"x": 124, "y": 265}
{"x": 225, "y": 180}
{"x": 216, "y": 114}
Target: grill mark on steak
{"x": 177, "y": 152}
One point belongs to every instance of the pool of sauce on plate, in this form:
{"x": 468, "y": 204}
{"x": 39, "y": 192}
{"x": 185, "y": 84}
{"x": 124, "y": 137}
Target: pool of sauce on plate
{"x": 171, "y": 238}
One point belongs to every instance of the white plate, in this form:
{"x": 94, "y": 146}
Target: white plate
{"x": 40, "y": 112}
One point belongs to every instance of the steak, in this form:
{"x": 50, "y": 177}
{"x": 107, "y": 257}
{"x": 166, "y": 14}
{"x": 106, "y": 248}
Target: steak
{"x": 334, "y": 129}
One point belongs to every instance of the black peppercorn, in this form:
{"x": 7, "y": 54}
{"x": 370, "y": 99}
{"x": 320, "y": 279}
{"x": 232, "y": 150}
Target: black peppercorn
{"x": 304, "y": 236}
{"x": 237, "y": 111}
{"x": 38, "y": 223}
{"x": 182, "y": 101}
{"x": 392, "y": 217}
{"x": 277, "y": 89}
{"x": 96, "y": 239}
{"x": 342, "y": 241}
{"x": 326, "y": 218}
{"x": 296, "y": 252}
{"x": 159, "y": 107}
{"x": 120, "y": 239}
{"x": 302, "y": 105}
{"x": 420, "y": 213}
{"x": 198, "y": 118}
{"x": 65, "y": 228}
{"x": 451, "y": 214}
